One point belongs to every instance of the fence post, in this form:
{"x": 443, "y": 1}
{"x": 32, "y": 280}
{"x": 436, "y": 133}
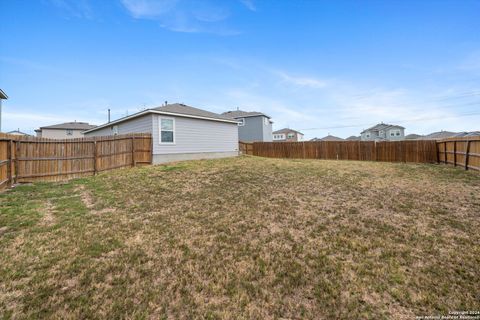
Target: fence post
{"x": 445, "y": 151}
{"x": 455, "y": 153}
{"x": 467, "y": 154}
{"x": 375, "y": 150}
{"x": 9, "y": 159}
{"x": 303, "y": 149}
{"x": 438, "y": 151}
{"x": 94, "y": 157}
{"x": 133, "y": 151}
{"x": 17, "y": 155}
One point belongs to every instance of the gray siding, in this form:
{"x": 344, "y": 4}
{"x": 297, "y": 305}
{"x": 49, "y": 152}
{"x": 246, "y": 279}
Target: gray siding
{"x": 191, "y": 135}
{"x": 197, "y": 136}
{"x": 60, "y": 134}
{"x": 255, "y": 129}
{"x": 141, "y": 124}
{"x": 383, "y": 135}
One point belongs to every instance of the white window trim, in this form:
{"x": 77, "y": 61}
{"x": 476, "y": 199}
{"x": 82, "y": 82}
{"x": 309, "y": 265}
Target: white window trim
{"x": 160, "y": 131}
{"x": 241, "y": 122}
{"x": 115, "y": 130}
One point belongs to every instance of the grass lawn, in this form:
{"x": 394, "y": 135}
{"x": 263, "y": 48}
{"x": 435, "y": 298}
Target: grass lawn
{"x": 244, "y": 238}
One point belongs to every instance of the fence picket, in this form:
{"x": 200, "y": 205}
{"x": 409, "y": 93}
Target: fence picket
{"x": 38, "y": 159}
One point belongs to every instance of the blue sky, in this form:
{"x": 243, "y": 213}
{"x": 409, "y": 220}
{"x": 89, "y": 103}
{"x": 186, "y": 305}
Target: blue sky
{"x": 317, "y": 66}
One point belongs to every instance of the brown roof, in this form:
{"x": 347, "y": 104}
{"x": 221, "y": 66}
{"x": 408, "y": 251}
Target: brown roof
{"x": 243, "y": 114}
{"x": 71, "y": 125}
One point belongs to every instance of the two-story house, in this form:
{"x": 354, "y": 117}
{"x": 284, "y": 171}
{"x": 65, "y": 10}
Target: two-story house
{"x": 383, "y": 131}
{"x": 67, "y": 130}
{"x": 252, "y": 125}
{"x": 287, "y": 135}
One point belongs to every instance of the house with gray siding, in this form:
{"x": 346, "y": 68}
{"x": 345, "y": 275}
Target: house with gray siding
{"x": 179, "y": 132}
{"x": 67, "y": 130}
{"x": 252, "y": 125}
{"x": 383, "y": 132}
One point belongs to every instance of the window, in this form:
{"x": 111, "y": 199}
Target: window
{"x": 291, "y": 135}
{"x": 69, "y": 132}
{"x": 368, "y": 135}
{"x": 167, "y": 130}
{"x": 114, "y": 130}
{"x": 394, "y": 133}
{"x": 266, "y": 121}
{"x": 241, "y": 122}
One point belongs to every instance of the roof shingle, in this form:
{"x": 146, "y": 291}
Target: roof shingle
{"x": 243, "y": 114}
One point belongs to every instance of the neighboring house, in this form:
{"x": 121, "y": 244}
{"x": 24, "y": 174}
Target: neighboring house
{"x": 3, "y": 96}
{"x": 413, "y": 136}
{"x": 287, "y": 135}
{"x": 67, "y": 130}
{"x": 18, "y": 133}
{"x": 354, "y": 138}
{"x": 330, "y": 138}
{"x": 439, "y": 135}
{"x": 179, "y": 132}
{"x": 383, "y": 131}
{"x": 252, "y": 125}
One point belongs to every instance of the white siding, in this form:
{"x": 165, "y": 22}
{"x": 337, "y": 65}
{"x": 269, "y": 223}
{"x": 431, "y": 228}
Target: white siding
{"x": 197, "y": 136}
{"x": 141, "y": 124}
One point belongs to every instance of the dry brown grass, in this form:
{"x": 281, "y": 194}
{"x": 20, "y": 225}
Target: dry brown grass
{"x": 244, "y": 238}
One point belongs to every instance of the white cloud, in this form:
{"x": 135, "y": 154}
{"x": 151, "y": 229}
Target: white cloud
{"x": 310, "y": 82}
{"x": 149, "y": 8}
{"x": 188, "y": 16}
{"x": 74, "y": 8}
{"x": 249, "y": 4}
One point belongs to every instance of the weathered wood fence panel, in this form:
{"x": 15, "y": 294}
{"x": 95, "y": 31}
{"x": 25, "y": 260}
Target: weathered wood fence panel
{"x": 463, "y": 152}
{"x": 398, "y": 151}
{"x": 27, "y": 159}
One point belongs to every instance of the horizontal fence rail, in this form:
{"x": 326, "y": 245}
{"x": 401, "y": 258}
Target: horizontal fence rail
{"x": 28, "y": 159}
{"x": 389, "y": 151}
{"x": 460, "y": 152}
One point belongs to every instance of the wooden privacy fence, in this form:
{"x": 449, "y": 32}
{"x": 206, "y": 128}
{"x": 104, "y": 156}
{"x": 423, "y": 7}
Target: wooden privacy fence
{"x": 460, "y": 152}
{"x": 35, "y": 159}
{"x": 390, "y": 151}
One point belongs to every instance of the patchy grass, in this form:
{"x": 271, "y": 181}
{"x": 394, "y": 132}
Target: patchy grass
{"x": 244, "y": 238}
